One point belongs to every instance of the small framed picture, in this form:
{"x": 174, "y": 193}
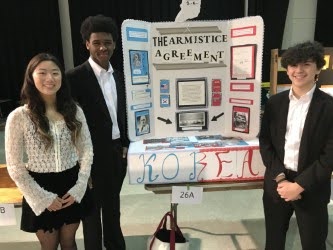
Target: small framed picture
{"x": 243, "y": 61}
{"x": 191, "y": 93}
{"x": 192, "y": 120}
{"x": 139, "y": 66}
{"x": 241, "y": 119}
{"x": 142, "y": 122}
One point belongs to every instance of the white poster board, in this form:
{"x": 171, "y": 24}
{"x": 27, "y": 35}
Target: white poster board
{"x": 193, "y": 77}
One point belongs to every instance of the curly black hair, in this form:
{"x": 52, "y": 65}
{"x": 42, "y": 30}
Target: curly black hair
{"x": 98, "y": 23}
{"x": 36, "y": 105}
{"x": 303, "y": 52}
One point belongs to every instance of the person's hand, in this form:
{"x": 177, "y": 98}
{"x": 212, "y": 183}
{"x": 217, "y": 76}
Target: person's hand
{"x": 67, "y": 200}
{"x": 289, "y": 191}
{"x": 55, "y": 205}
{"x": 125, "y": 152}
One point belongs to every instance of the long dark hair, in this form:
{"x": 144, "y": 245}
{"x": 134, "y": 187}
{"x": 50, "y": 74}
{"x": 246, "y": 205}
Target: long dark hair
{"x": 65, "y": 104}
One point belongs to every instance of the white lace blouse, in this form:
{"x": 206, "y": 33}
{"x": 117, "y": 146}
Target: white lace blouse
{"x": 21, "y": 138}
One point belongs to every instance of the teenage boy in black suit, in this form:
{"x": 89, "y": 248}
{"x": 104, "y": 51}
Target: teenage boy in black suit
{"x": 296, "y": 145}
{"x": 100, "y": 91}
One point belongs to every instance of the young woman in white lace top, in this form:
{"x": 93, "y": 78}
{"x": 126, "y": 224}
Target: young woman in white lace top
{"x": 49, "y": 155}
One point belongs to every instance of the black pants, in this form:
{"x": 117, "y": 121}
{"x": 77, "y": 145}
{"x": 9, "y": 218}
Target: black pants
{"x": 104, "y": 223}
{"x": 311, "y": 215}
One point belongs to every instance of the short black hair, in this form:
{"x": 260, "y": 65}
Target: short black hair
{"x": 98, "y": 23}
{"x": 303, "y": 52}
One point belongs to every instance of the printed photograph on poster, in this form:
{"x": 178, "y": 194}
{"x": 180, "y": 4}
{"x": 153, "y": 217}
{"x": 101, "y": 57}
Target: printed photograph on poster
{"x": 216, "y": 99}
{"x": 178, "y": 138}
{"x": 164, "y": 85}
{"x": 154, "y": 140}
{"x": 157, "y": 147}
{"x": 192, "y": 120}
{"x": 164, "y": 101}
{"x": 209, "y": 137}
{"x": 139, "y": 66}
{"x": 243, "y": 61}
{"x": 241, "y": 119}
{"x": 181, "y": 144}
{"x": 142, "y": 122}
{"x": 191, "y": 92}
{"x": 216, "y": 85}
{"x": 225, "y": 142}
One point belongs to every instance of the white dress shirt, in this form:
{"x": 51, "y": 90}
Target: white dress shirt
{"x": 298, "y": 110}
{"x": 108, "y": 85}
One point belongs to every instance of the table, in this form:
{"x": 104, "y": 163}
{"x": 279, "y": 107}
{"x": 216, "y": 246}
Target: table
{"x": 207, "y": 186}
{"x": 213, "y": 162}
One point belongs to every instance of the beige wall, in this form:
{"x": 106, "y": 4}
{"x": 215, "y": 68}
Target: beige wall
{"x": 300, "y": 22}
{"x": 66, "y": 36}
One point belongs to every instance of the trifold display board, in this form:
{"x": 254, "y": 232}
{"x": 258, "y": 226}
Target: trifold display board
{"x": 193, "y": 78}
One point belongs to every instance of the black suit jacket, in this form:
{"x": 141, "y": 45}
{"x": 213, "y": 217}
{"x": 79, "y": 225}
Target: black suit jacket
{"x": 315, "y": 161}
{"x": 87, "y": 92}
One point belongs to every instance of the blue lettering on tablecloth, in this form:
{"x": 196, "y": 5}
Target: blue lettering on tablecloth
{"x": 177, "y": 165}
{"x": 150, "y": 169}
{"x": 193, "y": 175}
{"x": 168, "y": 167}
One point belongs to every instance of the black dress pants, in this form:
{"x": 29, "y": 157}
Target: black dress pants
{"x": 311, "y": 215}
{"x": 104, "y": 223}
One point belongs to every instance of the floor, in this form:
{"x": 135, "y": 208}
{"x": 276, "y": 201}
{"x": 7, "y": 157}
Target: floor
{"x": 227, "y": 220}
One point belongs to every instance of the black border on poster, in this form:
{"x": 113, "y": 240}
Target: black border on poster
{"x": 138, "y": 115}
{"x": 241, "y": 119}
{"x": 183, "y": 81}
{"x": 140, "y": 72}
{"x": 189, "y": 120}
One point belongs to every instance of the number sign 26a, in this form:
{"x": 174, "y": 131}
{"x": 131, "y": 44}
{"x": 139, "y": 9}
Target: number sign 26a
{"x": 186, "y": 195}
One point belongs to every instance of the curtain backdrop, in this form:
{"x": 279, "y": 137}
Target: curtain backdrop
{"x": 324, "y": 23}
{"x": 27, "y": 28}
{"x": 148, "y": 10}
{"x": 30, "y": 27}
